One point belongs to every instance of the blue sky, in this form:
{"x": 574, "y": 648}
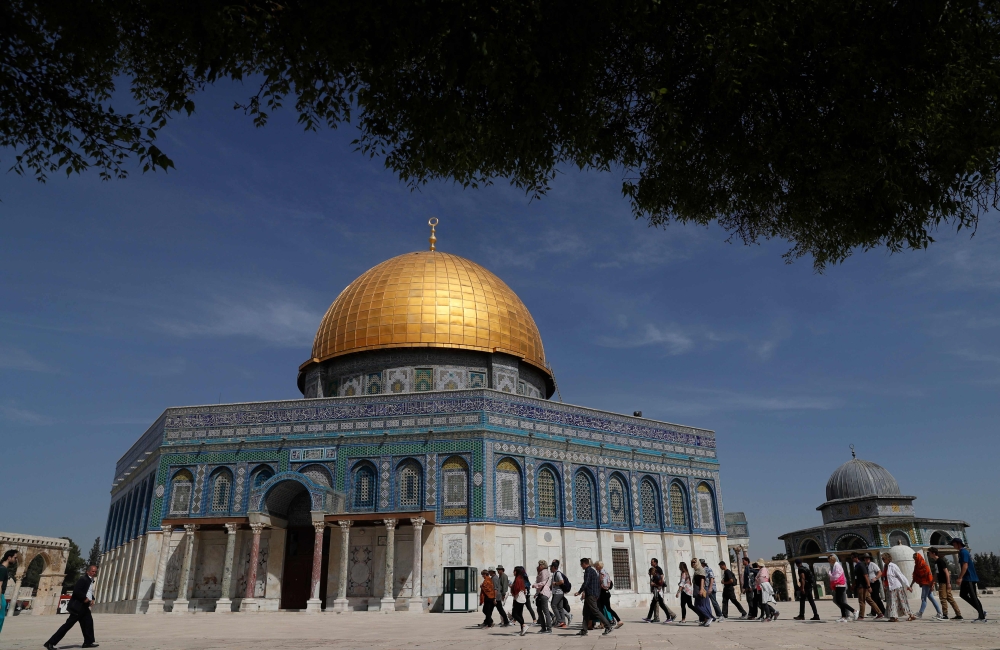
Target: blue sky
{"x": 122, "y": 298}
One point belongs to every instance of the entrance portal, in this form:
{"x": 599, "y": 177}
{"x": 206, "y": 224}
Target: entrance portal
{"x": 291, "y": 501}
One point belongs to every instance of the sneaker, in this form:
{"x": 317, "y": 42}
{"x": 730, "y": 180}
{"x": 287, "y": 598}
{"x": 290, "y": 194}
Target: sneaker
{"x": 938, "y": 617}
{"x": 648, "y": 620}
{"x": 957, "y": 617}
{"x": 669, "y": 620}
{"x": 920, "y": 614}
{"x": 582, "y": 633}
{"x": 775, "y": 617}
{"x": 563, "y": 625}
{"x": 841, "y": 620}
{"x": 798, "y": 618}
{"x": 607, "y": 630}
{"x": 814, "y": 618}
{"x": 708, "y": 623}
{"x": 743, "y": 617}
{"x": 854, "y": 616}
{"x": 878, "y": 616}
{"x": 522, "y": 631}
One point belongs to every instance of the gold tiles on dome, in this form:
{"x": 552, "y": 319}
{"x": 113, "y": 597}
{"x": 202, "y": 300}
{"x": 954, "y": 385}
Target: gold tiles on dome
{"x": 429, "y": 299}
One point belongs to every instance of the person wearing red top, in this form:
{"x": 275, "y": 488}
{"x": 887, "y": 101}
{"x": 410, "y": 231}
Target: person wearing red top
{"x": 922, "y": 576}
{"x": 487, "y": 598}
{"x": 519, "y": 590}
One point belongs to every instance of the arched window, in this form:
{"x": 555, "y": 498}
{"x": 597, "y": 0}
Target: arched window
{"x": 180, "y": 492}
{"x": 618, "y": 505}
{"x": 678, "y": 511}
{"x": 317, "y": 474}
{"x": 647, "y": 497}
{"x": 455, "y": 480}
{"x": 547, "y": 503}
{"x": 261, "y": 476}
{"x": 940, "y": 538}
{"x": 809, "y": 547}
{"x": 508, "y": 490}
{"x": 222, "y": 483}
{"x": 409, "y": 486}
{"x": 364, "y": 488}
{"x": 899, "y": 538}
{"x": 583, "y": 497}
{"x": 706, "y": 507}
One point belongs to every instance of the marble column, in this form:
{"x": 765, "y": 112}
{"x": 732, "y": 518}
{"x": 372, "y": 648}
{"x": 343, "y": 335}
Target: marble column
{"x": 314, "y": 605}
{"x": 416, "y": 594}
{"x": 184, "y": 585}
{"x": 156, "y": 604}
{"x": 340, "y": 604}
{"x": 225, "y": 603}
{"x": 388, "y": 603}
{"x": 249, "y": 603}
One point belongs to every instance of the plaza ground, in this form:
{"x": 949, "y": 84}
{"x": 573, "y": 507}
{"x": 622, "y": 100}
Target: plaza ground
{"x": 388, "y": 631}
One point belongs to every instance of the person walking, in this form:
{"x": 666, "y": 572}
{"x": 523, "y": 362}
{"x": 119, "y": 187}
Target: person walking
{"x": 838, "y": 582}
{"x": 807, "y": 585}
{"x": 862, "y": 588}
{"x": 729, "y": 592}
{"x": 487, "y": 598}
{"x": 768, "y": 602}
{"x": 875, "y": 582}
{"x": 749, "y": 576}
{"x": 591, "y": 591}
{"x": 560, "y": 605}
{"x": 943, "y": 575}
{"x": 519, "y": 589}
{"x": 502, "y": 584}
{"x": 895, "y": 589}
{"x": 701, "y": 602}
{"x": 922, "y": 576}
{"x": 657, "y": 584}
{"x": 710, "y": 577}
{"x": 968, "y": 581}
{"x": 604, "y": 602}
{"x": 79, "y": 610}
{"x": 543, "y": 592}
{"x": 684, "y": 591}
{"x": 9, "y": 558}
{"x": 763, "y": 575}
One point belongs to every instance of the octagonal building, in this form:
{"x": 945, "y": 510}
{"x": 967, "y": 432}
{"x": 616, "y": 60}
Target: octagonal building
{"x": 426, "y": 438}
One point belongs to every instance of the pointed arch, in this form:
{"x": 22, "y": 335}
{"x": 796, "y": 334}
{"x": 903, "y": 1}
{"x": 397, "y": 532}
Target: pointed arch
{"x": 618, "y": 503}
{"x": 508, "y": 490}
{"x": 221, "y": 487}
{"x": 364, "y": 486}
{"x": 548, "y": 493}
{"x": 409, "y": 483}
{"x": 678, "y": 505}
{"x": 706, "y": 507}
{"x": 260, "y": 475}
{"x": 181, "y": 485}
{"x": 455, "y": 484}
{"x": 649, "y": 502}
{"x": 584, "y": 497}
{"x": 318, "y": 474}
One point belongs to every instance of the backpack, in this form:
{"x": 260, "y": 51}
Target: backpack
{"x": 565, "y": 586}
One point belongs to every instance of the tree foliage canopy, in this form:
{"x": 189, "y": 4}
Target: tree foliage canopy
{"x": 836, "y": 125}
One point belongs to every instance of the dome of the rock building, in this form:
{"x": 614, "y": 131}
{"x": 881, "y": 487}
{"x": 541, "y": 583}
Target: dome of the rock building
{"x": 861, "y": 478}
{"x": 429, "y": 299}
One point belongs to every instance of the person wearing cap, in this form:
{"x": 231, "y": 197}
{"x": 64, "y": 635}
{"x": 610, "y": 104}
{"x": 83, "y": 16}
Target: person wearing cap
{"x": 487, "y": 598}
{"x": 943, "y": 577}
{"x": 967, "y": 579}
{"x": 763, "y": 575}
{"x": 559, "y": 602}
{"x": 807, "y": 584}
{"x": 863, "y": 588}
{"x": 502, "y": 583}
{"x": 729, "y": 592}
{"x": 875, "y": 580}
{"x": 543, "y": 591}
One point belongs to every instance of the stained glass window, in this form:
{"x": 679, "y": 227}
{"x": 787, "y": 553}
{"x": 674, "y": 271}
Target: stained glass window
{"x": 409, "y": 486}
{"x": 424, "y": 379}
{"x": 374, "y": 383}
{"x": 616, "y": 499}
{"x": 678, "y": 516}
{"x": 647, "y": 497}
{"x": 364, "y": 489}
{"x": 221, "y": 484}
{"x": 477, "y": 380}
{"x": 706, "y": 507}
{"x": 455, "y": 477}
{"x": 180, "y": 493}
{"x": 547, "y": 508}
{"x": 508, "y": 490}
{"x": 583, "y": 495}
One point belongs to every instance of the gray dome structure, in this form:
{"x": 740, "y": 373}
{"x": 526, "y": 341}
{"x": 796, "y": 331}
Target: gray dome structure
{"x": 861, "y": 478}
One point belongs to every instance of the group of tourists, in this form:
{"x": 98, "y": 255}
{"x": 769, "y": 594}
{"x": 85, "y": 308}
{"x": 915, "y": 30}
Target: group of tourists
{"x": 871, "y": 581}
{"x": 552, "y": 592}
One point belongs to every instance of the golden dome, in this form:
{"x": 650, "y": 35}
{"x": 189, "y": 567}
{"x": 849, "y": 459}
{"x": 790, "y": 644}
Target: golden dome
{"x": 428, "y": 299}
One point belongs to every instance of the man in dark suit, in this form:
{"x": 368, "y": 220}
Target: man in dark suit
{"x": 79, "y": 610}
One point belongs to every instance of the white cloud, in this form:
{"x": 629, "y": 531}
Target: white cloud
{"x": 17, "y": 359}
{"x": 670, "y": 337}
{"x": 13, "y": 413}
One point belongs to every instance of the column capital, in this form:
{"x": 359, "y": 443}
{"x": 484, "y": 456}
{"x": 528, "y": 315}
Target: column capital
{"x": 166, "y": 528}
{"x": 256, "y": 528}
{"x": 190, "y": 528}
{"x": 418, "y": 522}
{"x": 390, "y": 524}
{"x": 344, "y": 525}
{"x": 318, "y": 526}
{"x": 231, "y": 528}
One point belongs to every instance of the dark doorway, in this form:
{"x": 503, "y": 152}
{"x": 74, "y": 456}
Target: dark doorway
{"x": 297, "y": 575}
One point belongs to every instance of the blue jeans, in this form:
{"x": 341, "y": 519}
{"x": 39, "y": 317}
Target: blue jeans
{"x": 927, "y": 593}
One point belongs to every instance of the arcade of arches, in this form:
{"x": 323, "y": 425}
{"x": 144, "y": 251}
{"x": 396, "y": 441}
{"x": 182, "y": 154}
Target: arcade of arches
{"x": 53, "y": 552}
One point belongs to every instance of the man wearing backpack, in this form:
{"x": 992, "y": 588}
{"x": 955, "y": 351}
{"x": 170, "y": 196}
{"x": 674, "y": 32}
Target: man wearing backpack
{"x": 729, "y": 592}
{"x": 560, "y": 587}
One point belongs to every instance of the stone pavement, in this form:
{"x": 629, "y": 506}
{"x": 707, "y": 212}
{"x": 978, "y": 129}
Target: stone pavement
{"x": 389, "y": 631}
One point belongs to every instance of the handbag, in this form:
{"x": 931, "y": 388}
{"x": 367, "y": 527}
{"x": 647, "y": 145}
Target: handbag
{"x": 520, "y": 598}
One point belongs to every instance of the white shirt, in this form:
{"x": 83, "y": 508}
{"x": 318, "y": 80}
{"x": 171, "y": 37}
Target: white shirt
{"x": 90, "y": 591}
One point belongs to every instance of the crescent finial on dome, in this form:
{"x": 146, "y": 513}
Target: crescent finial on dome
{"x": 433, "y": 222}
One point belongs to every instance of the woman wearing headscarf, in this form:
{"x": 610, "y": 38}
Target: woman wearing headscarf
{"x": 684, "y": 590}
{"x": 895, "y": 586}
{"x": 702, "y": 605}
{"x": 838, "y": 582}
{"x": 519, "y": 590}
{"x": 922, "y": 576}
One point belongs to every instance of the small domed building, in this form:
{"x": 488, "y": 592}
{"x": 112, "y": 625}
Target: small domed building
{"x": 866, "y": 511}
{"x": 425, "y": 438}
